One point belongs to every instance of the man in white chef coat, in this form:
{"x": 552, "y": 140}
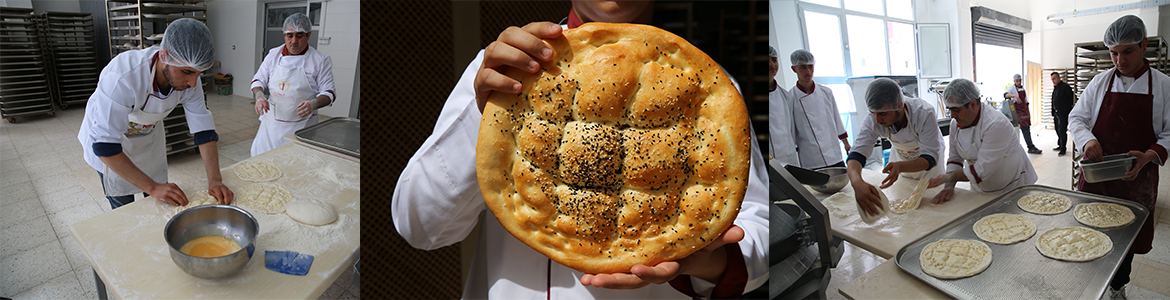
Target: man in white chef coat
{"x": 910, "y": 125}
{"x": 1019, "y": 98}
{"x": 437, "y": 200}
{"x": 300, "y": 80}
{"x": 814, "y": 111}
{"x": 781, "y": 127}
{"x": 984, "y": 146}
{"x": 122, "y": 130}
{"x": 1126, "y": 110}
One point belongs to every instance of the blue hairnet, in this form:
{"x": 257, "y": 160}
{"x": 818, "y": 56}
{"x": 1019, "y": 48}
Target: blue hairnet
{"x": 960, "y": 92}
{"x": 883, "y": 94}
{"x": 297, "y": 22}
{"x": 188, "y": 43}
{"x": 1127, "y": 30}
{"x": 802, "y": 57}
{"x": 1017, "y": 76}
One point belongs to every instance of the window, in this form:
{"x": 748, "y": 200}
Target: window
{"x": 902, "y": 61}
{"x": 824, "y": 40}
{"x": 901, "y": 9}
{"x": 867, "y": 41}
{"x": 866, "y": 6}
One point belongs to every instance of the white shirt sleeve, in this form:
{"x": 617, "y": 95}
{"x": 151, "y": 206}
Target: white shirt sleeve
{"x": 325, "y": 79}
{"x": 110, "y": 104}
{"x": 866, "y": 138}
{"x": 954, "y": 162}
{"x": 753, "y": 219}
{"x": 262, "y": 73}
{"x": 198, "y": 116}
{"x": 437, "y": 201}
{"x": 836, "y": 113}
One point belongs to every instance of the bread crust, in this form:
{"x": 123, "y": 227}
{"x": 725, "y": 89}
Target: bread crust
{"x": 630, "y": 146}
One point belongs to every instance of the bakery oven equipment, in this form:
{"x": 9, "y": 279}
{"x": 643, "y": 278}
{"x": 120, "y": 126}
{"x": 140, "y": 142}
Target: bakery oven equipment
{"x": 802, "y": 247}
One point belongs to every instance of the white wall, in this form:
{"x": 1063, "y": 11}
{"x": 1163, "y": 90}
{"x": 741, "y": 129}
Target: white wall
{"x": 16, "y": 3}
{"x": 786, "y": 37}
{"x": 342, "y": 22}
{"x": 237, "y": 28}
{"x": 1055, "y": 42}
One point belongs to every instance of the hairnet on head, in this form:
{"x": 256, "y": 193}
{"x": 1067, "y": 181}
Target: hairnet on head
{"x": 802, "y": 57}
{"x": 883, "y": 94}
{"x": 188, "y": 43}
{"x": 297, "y": 22}
{"x": 1127, "y": 30}
{"x": 960, "y": 92}
{"x": 772, "y": 52}
{"x": 1017, "y": 76}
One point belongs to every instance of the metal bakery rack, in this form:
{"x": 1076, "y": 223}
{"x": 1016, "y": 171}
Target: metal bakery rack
{"x": 139, "y": 24}
{"x": 70, "y": 45}
{"x": 24, "y": 83}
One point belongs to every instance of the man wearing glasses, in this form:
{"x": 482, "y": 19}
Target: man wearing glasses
{"x": 984, "y": 147}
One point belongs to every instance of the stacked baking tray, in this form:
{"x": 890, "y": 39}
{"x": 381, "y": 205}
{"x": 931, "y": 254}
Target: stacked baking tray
{"x": 138, "y": 24}
{"x": 71, "y": 46}
{"x": 1019, "y": 271}
{"x": 178, "y": 135}
{"x": 24, "y": 83}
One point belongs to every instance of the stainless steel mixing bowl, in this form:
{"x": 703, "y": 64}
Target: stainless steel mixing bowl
{"x": 838, "y": 178}
{"x": 222, "y": 220}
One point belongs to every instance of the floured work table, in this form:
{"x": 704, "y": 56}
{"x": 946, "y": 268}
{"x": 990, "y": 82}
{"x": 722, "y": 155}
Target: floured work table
{"x": 128, "y": 253}
{"x": 888, "y": 234}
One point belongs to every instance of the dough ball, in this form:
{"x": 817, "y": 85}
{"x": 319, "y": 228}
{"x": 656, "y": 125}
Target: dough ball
{"x": 311, "y": 213}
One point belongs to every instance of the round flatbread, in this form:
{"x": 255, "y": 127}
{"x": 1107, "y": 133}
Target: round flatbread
{"x": 1004, "y": 229}
{"x": 1074, "y": 244}
{"x": 630, "y": 146}
{"x": 256, "y": 171}
{"x": 953, "y": 259}
{"x": 1103, "y": 215}
{"x": 263, "y": 197}
{"x": 1045, "y": 203}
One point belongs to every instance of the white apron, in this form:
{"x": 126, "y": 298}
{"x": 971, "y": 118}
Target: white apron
{"x": 145, "y": 146}
{"x": 289, "y": 87}
{"x": 906, "y": 148}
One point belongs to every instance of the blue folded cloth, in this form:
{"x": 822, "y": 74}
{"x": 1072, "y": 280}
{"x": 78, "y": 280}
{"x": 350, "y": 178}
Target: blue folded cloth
{"x": 288, "y": 262}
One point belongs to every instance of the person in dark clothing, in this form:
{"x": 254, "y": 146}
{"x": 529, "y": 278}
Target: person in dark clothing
{"x": 1062, "y": 104}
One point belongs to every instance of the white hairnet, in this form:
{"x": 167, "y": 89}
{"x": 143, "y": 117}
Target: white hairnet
{"x": 960, "y": 92}
{"x": 802, "y": 57}
{"x": 883, "y": 94}
{"x": 772, "y": 52}
{"x": 1127, "y": 30}
{"x": 188, "y": 43}
{"x": 1017, "y": 76}
{"x": 297, "y": 22}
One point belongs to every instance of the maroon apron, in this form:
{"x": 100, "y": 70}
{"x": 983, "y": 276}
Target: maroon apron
{"x": 1022, "y": 114}
{"x": 1125, "y": 123}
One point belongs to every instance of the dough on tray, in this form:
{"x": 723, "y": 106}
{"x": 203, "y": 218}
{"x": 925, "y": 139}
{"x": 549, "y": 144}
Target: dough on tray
{"x": 1103, "y": 215}
{"x": 1045, "y": 203}
{"x": 1074, "y": 244}
{"x": 1004, "y": 229}
{"x": 953, "y": 259}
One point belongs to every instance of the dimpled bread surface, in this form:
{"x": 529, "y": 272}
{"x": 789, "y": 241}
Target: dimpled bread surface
{"x": 630, "y": 146}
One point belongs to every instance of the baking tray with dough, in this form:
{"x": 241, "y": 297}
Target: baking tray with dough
{"x": 1019, "y": 271}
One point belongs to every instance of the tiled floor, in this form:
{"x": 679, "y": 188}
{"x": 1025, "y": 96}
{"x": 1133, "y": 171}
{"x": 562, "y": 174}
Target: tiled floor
{"x": 1149, "y": 271}
{"x": 46, "y": 186}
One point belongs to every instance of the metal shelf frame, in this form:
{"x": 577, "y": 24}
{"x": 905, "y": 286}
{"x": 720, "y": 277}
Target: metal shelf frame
{"x": 24, "y": 69}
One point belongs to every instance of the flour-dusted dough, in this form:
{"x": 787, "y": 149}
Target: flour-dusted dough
{"x": 1103, "y": 215}
{"x": 1004, "y": 229}
{"x": 1074, "y": 244}
{"x": 1045, "y": 203}
{"x": 868, "y": 218}
{"x": 264, "y": 197}
{"x": 311, "y": 213}
{"x": 952, "y": 259}
{"x": 256, "y": 171}
{"x": 907, "y": 204}
{"x": 198, "y": 198}
{"x": 630, "y": 146}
